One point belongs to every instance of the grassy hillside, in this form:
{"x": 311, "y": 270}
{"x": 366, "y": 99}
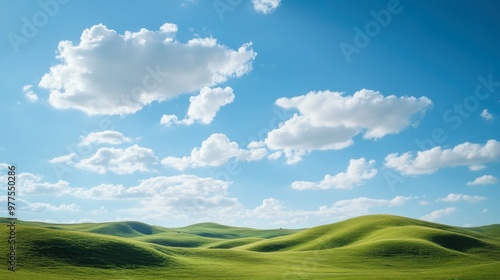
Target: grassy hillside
{"x": 491, "y": 230}
{"x": 367, "y": 230}
{"x": 369, "y": 247}
{"x": 220, "y": 231}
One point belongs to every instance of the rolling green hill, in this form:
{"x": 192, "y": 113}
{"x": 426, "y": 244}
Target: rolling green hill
{"x": 366, "y": 230}
{"x": 368, "y": 247}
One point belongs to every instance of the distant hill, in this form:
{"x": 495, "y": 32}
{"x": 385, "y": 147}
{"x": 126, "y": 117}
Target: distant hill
{"x": 378, "y": 232}
{"x": 367, "y": 247}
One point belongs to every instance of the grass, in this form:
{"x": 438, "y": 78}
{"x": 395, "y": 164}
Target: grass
{"x": 368, "y": 247}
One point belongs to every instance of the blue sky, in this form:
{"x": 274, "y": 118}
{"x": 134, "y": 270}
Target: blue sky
{"x": 251, "y": 113}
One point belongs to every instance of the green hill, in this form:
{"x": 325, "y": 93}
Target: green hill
{"x": 490, "y": 230}
{"x": 42, "y": 247}
{"x": 364, "y": 231}
{"x": 226, "y": 232}
{"x": 368, "y": 247}
{"x": 176, "y": 238}
{"x": 125, "y": 229}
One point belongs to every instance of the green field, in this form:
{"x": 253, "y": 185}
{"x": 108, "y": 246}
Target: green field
{"x": 368, "y": 247}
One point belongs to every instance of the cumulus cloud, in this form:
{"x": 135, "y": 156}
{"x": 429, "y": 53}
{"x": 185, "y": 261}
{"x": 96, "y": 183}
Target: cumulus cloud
{"x": 358, "y": 171}
{"x": 168, "y": 186}
{"x": 104, "y": 137}
{"x": 275, "y": 210}
{"x": 28, "y": 183}
{"x": 107, "y": 73}
{"x": 102, "y": 191}
{"x": 203, "y": 107}
{"x": 186, "y": 198}
{"x": 29, "y": 94}
{"x": 430, "y": 161}
{"x": 360, "y": 206}
{"x": 438, "y": 214}
{"x": 452, "y": 197}
{"x": 483, "y": 180}
{"x": 329, "y": 120}
{"x": 216, "y": 150}
{"x": 265, "y": 6}
{"x": 120, "y": 161}
{"x": 486, "y": 115}
{"x": 40, "y": 207}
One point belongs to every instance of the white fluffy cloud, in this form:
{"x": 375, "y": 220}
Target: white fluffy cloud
{"x": 186, "y": 195}
{"x": 265, "y": 6}
{"x": 108, "y": 73}
{"x": 185, "y": 198}
{"x": 452, "y": 197}
{"x": 483, "y": 180}
{"x": 216, "y": 150}
{"x": 40, "y": 207}
{"x": 486, "y": 115}
{"x": 104, "y": 137}
{"x": 358, "y": 171}
{"x": 429, "y": 161}
{"x": 102, "y": 192}
{"x": 120, "y": 161}
{"x": 170, "y": 187}
{"x": 438, "y": 214}
{"x": 203, "y": 107}
{"x": 329, "y": 120}
{"x": 29, "y": 94}
{"x": 28, "y": 183}
{"x": 275, "y": 210}
{"x": 361, "y": 205}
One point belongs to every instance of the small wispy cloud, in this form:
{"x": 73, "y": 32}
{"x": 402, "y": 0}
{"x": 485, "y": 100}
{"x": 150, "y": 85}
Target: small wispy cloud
{"x": 104, "y": 137}
{"x": 485, "y": 114}
{"x": 452, "y": 197}
{"x": 29, "y": 94}
{"x": 483, "y": 180}
{"x": 265, "y": 6}
{"x": 438, "y": 214}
